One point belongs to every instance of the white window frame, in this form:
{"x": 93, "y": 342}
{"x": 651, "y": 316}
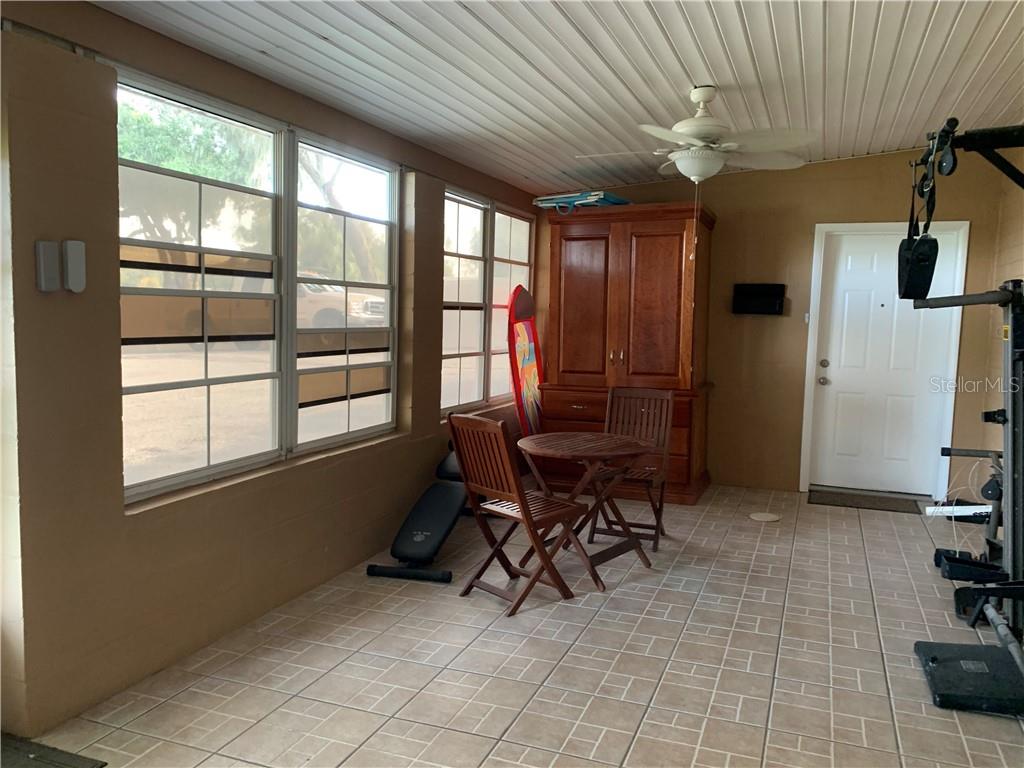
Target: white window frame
{"x": 292, "y": 207}
{"x": 490, "y": 209}
{"x": 285, "y": 200}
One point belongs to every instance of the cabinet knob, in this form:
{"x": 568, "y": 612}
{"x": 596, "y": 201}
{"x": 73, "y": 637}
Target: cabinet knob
{"x": 622, "y": 356}
{"x": 611, "y": 356}
{"x": 577, "y": 407}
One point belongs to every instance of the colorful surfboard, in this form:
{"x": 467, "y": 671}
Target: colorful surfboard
{"x": 524, "y": 354}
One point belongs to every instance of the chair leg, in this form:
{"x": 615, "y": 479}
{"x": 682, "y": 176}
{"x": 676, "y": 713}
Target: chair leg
{"x": 544, "y": 566}
{"x": 495, "y": 553}
{"x": 591, "y": 570}
{"x": 661, "y": 508}
{"x": 624, "y": 525}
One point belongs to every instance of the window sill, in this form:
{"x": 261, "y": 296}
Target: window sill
{"x": 275, "y": 466}
{"x": 478, "y": 409}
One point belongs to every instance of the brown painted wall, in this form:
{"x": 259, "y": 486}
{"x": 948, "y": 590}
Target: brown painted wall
{"x": 765, "y": 233}
{"x": 108, "y": 597}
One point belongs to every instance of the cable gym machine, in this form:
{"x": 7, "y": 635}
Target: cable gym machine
{"x": 987, "y": 678}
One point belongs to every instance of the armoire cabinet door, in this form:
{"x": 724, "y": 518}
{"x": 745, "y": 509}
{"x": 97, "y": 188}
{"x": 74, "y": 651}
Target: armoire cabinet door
{"x": 584, "y": 321}
{"x": 654, "y": 282}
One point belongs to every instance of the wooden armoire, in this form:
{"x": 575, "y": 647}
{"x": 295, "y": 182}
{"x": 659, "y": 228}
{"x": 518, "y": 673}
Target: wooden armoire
{"x": 629, "y": 288}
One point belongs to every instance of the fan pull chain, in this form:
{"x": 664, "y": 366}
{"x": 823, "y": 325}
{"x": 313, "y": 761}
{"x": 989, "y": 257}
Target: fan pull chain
{"x": 696, "y": 214}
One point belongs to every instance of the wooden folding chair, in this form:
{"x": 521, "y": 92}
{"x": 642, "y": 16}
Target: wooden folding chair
{"x": 645, "y": 414}
{"x": 489, "y": 470}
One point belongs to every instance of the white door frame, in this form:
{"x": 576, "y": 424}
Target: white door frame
{"x": 821, "y": 231}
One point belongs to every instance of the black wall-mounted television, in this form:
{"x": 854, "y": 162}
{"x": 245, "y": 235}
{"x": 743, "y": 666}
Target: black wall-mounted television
{"x": 758, "y": 298}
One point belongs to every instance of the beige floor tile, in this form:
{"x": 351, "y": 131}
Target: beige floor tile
{"x": 473, "y": 611}
{"x": 615, "y": 674}
{"x": 577, "y": 724}
{"x": 726, "y": 694}
{"x": 223, "y": 761}
{"x": 400, "y": 743}
{"x": 838, "y": 666}
{"x": 666, "y": 739}
{"x": 464, "y": 701}
{"x": 304, "y": 732}
{"x": 166, "y": 683}
{"x": 509, "y": 655}
{"x": 958, "y": 738}
{"x": 509, "y": 755}
{"x": 209, "y": 714}
{"x": 790, "y": 750}
{"x": 631, "y": 633}
{"x": 331, "y": 630}
{"x": 558, "y": 621}
{"x": 672, "y": 666}
{"x": 730, "y": 744}
{"x": 207, "y": 661}
{"x": 423, "y": 640}
{"x": 833, "y": 714}
{"x": 284, "y": 664}
{"x": 121, "y": 708}
{"x": 673, "y": 604}
{"x": 373, "y": 683}
{"x": 358, "y": 617}
{"x": 122, "y": 749}
{"x": 74, "y": 734}
{"x": 730, "y": 648}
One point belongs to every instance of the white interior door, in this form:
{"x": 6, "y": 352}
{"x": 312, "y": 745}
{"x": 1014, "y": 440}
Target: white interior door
{"x": 882, "y": 400}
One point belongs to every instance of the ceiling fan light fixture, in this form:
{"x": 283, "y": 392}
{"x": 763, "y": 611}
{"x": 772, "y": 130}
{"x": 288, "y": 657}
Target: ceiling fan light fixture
{"x": 698, "y": 163}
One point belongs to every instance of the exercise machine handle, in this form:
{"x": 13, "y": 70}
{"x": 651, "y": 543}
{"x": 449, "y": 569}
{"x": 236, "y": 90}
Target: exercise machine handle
{"x": 971, "y": 453}
{"x": 999, "y": 298}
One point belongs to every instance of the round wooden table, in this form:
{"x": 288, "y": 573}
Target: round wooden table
{"x": 598, "y": 452}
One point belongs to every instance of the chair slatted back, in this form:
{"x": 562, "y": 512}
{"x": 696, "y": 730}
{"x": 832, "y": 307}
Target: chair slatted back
{"x": 645, "y": 414}
{"x": 486, "y": 457}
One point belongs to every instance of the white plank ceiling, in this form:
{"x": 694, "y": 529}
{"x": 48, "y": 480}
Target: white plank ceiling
{"x": 518, "y": 89}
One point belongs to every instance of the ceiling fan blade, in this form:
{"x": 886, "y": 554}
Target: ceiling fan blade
{"x": 667, "y": 135}
{"x": 769, "y": 141}
{"x": 764, "y": 161}
{"x": 611, "y": 154}
{"x": 668, "y": 169}
{"x": 656, "y": 152}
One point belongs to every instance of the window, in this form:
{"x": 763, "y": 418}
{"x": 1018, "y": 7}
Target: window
{"x": 227, "y": 362}
{"x": 486, "y": 255}
{"x": 510, "y": 267}
{"x": 344, "y": 296}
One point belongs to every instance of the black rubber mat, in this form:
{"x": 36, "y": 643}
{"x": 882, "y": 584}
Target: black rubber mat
{"x": 864, "y": 500}
{"x": 22, "y": 753}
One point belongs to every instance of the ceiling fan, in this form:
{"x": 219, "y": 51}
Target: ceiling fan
{"x": 703, "y": 144}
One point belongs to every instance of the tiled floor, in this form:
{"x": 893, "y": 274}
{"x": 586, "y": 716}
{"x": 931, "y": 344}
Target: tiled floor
{"x": 747, "y": 644}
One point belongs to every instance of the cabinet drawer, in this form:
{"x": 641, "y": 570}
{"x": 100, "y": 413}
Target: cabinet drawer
{"x": 678, "y": 469}
{"x": 574, "y": 406}
{"x": 564, "y": 425}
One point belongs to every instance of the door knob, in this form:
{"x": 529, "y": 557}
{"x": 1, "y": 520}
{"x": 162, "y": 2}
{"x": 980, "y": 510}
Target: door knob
{"x": 822, "y": 380}
{"x": 824, "y": 362}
